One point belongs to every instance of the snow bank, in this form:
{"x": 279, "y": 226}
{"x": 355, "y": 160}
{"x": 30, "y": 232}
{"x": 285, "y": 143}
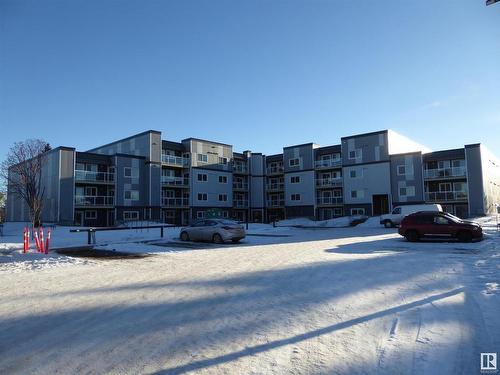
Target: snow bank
{"x": 340, "y": 222}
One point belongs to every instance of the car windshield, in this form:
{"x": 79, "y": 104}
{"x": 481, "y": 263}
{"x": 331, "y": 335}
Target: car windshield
{"x": 452, "y": 217}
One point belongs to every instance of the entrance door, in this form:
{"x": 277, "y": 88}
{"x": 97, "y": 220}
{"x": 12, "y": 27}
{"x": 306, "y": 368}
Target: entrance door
{"x": 111, "y": 218}
{"x": 380, "y": 204}
{"x": 79, "y": 218}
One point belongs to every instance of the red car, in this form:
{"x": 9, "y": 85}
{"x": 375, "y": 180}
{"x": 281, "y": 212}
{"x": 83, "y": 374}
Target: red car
{"x": 438, "y": 225}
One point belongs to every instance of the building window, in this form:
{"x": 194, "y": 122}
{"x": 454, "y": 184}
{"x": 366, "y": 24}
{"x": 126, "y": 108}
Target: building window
{"x": 90, "y": 191}
{"x": 202, "y": 177}
{"x": 337, "y": 212}
{"x": 91, "y": 215}
{"x": 202, "y": 196}
{"x": 295, "y": 197}
{"x": 222, "y": 197}
{"x": 222, "y": 160}
{"x": 356, "y": 173}
{"x": 130, "y": 172}
{"x": 357, "y": 211}
{"x": 200, "y": 214}
{"x": 225, "y": 214}
{"x": 132, "y": 195}
{"x": 355, "y": 154}
{"x": 401, "y": 170}
{"x": 130, "y": 215}
{"x": 357, "y": 193}
{"x": 203, "y": 158}
{"x": 294, "y": 162}
{"x": 223, "y": 179}
{"x": 295, "y": 179}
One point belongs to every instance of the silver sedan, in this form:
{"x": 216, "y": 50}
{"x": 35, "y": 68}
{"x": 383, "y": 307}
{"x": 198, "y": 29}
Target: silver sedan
{"x": 214, "y": 230}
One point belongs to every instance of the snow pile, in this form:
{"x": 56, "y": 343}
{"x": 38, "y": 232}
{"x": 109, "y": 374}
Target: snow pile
{"x": 340, "y": 222}
{"x": 371, "y": 222}
{"x": 15, "y": 261}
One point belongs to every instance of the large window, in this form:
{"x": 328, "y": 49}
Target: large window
{"x": 202, "y": 177}
{"x": 294, "y": 162}
{"x": 222, "y": 197}
{"x": 295, "y": 197}
{"x": 223, "y": 179}
{"x": 202, "y": 196}
{"x": 132, "y": 195}
{"x": 295, "y": 179}
{"x": 203, "y": 158}
{"x": 222, "y": 160}
{"x": 130, "y": 215}
{"x": 355, "y": 154}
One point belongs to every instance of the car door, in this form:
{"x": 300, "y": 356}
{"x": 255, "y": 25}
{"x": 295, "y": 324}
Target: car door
{"x": 441, "y": 226}
{"x": 195, "y": 231}
{"x": 208, "y": 230}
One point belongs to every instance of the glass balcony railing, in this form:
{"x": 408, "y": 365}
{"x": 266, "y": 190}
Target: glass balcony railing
{"x": 274, "y": 170}
{"x": 275, "y": 186}
{"x": 94, "y": 200}
{"x": 240, "y": 203}
{"x": 276, "y": 203}
{"x": 323, "y": 201}
{"x": 439, "y": 196}
{"x": 175, "y": 202}
{"x": 90, "y": 176}
{"x": 240, "y": 186}
{"x": 174, "y": 181}
{"x": 329, "y": 182}
{"x": 445, "y": 172}
{"x": 178, "y": 161}
{"x": 328, "y": 163}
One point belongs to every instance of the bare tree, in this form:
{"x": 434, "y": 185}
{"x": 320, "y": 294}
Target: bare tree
{"x": 22, "y": 171}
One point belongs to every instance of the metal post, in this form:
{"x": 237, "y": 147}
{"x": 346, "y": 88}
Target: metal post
{"x": 161, "y": 229}
{"x": 89, "y": 236}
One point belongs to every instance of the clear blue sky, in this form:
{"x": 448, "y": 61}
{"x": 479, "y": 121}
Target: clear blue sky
{"x": 256, "y": 74}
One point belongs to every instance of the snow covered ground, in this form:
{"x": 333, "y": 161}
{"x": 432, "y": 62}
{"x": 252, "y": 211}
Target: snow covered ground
{"x": 357, "y": 300}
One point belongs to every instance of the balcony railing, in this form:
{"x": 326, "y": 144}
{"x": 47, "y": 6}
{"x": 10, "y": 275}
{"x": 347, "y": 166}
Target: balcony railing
{"x": 275, "y": 203}
{"x": 240, "y": 186}
{"x": 174, "y": 181}
{"x": 178, "y": 161}
{"x": 325, "y": 201}
{"x": 445, "y": 172}
{"x": 90, "y": 176}
{"x": 275, "y": 186}
{"x": 439, "y": 196}
{"x": 240, "y": 168}
{"x": 94, "y": 200}
{"x": 175, "y": 202}
{"x": 328, "y": 163}
{"x": 240, "y": 203}
{"x": 274, "y": 170}
{"x": 329, "y": 182}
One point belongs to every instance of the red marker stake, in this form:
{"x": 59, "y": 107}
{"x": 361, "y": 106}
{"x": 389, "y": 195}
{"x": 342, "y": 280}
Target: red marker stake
{"x": 37, "y": 242}
{"x": 47, "y": 242}
{"x": 41, "y": 240}
{"x": 24, "y": 241}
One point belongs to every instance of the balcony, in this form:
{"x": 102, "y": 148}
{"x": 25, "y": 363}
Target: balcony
{"x": 445, "y": 173}
{"x": 240, "y": 186}
{"x": 445, "y": 196}
{"x": 175, "y": 161}
{"x": 175, "y": 181}
{"x": 275, "y": 203}
{"x": 328, "y": 182}
{"x": 240, "y": 203}
{"x": 329, "y": 201}
{"x": 274, "y": 170}
{"x": 328, "y": 163}
{"x": 275, "y": 186}
{"x": 94, "y": 177}
{"x": 94, "y": 200}
{"x": 240, "y": 168}
{"x": 175, "y": 202}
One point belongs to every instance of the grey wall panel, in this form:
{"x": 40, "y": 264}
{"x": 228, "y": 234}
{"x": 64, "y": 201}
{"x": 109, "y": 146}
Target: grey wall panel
{"x": 475, "y": 181}
{"x": 304, "y": 153}
{"x": 212, "y": 187}
{"x": 374, "y": 148}
{"x": 413, "y": 178}
{"x": 373, "y": 179}
{"x": 66, "y": 186}
{"x": 305, "y": 187}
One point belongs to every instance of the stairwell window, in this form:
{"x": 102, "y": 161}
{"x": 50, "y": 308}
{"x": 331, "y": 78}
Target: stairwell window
{"x": 202, "y": 158}
{"x": 132, "y": 195}
{"x": 355, "y": 154}
{"x": 130, "y": 172}
{"x": 295, "y": 179}
{"x": 222, "y": 160}
{"x": 295, "y": 197}
{"x": 294, "y": 162}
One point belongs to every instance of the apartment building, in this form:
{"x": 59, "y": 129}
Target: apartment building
{"x": 144, "y": 177}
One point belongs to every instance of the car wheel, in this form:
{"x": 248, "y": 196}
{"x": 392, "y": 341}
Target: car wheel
{"x": 464, "y": 236}
{"x": 216, "y": 238}
{"x": 412, "y": 236}
{"x": 388, "y": 224}
{"x": 184, "y": 236}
